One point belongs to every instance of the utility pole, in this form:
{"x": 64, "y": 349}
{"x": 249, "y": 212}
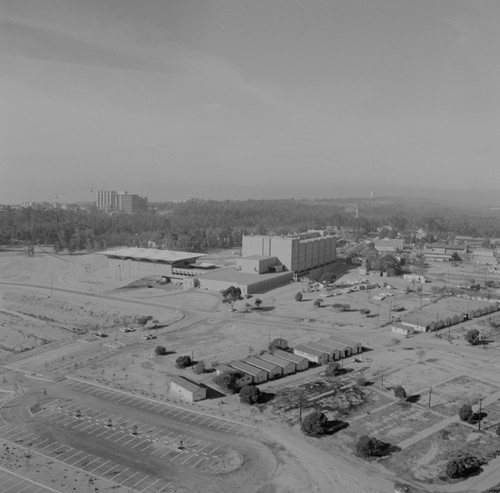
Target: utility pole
{"x": 382, "y": 380}
{"x": 300, "y": 409}
{"x": 479, "y": 420}
{"x": 51, "y": 286}
{"x": 430, "y": 395}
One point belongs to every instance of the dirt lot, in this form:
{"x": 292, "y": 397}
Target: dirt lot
{"x": 51, "y": 314}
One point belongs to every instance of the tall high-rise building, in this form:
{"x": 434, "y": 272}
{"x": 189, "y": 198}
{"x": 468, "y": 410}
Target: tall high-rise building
{"x": 112, "y": 201}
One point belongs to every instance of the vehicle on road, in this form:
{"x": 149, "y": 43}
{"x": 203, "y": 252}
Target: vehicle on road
{"x": 101, "y": 334}
{"x": 127, "y": 329}
{"x": 148, "y": 337}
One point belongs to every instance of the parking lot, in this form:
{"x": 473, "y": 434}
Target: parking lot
{"x": 13, "y": 483}
{"x": 90, "y": 463}
{"x": 178, "y": 413}
{"x": 162, "y": 443}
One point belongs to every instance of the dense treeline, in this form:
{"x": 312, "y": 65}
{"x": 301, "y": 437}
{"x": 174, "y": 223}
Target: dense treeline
{"x": 200, "y": 225}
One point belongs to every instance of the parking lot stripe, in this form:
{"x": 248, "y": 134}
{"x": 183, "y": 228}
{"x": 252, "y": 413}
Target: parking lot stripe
{"x": 99, "y": 466}
{"x": 199, "y": 461}
{"x": 120, "y": 473}
{"x": 150, "y": 486}
{"x": 82, "y": 460}
{"x": 140, "y": 481}
{"x": 188, "y": 458}
{"x": 109, "y": 470}
{"x": 213, "y": 451}
{"x": 48, "y": 446}
{"x": 88, "y": 465}
{"x": 74, "y": 455}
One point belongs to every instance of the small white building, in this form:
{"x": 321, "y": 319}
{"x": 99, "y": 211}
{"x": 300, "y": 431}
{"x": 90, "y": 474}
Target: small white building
{"x": 287, "y": 367}
{"x": 186, "y": 389}
{"x": 404, "y": 330}
{"x": 300, "y": 363}
{"x": 414, "y": 278}
{"x": 258, "y": 375}
{"x": 273, "y": 371}
{"x": 317, "y": 356}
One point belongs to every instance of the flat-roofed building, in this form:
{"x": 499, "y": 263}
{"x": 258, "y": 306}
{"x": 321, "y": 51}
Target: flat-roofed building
{"x": 333, "y": 352}
{"x": 258, "y": 375}
{"x": 186, "y": 389}
{"x": 300, "y": 362}
{"x": 287, "y": 367}
{"x": 245, "y": 378}
{"x": 317, "y": 356}
{"x": 273, "y": 371}
{"x": 298, "y": 253}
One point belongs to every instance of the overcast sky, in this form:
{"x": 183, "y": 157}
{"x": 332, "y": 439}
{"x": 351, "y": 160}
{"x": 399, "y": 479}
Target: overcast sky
{"x": 175, "y": 99}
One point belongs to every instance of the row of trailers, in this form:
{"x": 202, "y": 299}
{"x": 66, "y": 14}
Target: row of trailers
{"x": 269, "y": 366}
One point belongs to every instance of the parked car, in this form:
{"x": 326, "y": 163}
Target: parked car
{"x": 101, "y": 334}
{"x": 127, "y": 329}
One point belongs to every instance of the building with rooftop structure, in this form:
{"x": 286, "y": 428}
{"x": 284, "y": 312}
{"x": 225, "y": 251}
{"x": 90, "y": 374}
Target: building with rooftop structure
{"x": 388, "y": 245}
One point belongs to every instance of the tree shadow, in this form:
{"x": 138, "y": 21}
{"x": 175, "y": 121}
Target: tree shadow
{"x": 266, "y": 397}
{"x": 412, "y": 399}
{"x": 335, "y": 426}
{"x": 476, "y": 417}
{"x": 262, "y": 308}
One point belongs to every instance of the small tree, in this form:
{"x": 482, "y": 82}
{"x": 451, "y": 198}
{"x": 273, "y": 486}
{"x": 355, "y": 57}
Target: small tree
{"x": 400, "y": 392}
{"x": 160, "y": 351}
{"x": 298, "y": 296}
{"x": 315, "y": 424}
{"x": 370, "y": 447}
{"x": 465, "y": 412}
{"x": 230, "y": 295}
{"x": 183, "y": 361}
{"x": 317, "y": 302}
{"x": 472, "y": 336}
{"x": 229, "y": 381}
{"x": 199, "y": 368}
{"x": 463, "y": 466}
{"x": 332, "y": 370}
{"x": 257, "y": 303}
{"x": 250, "y": 394}
{"x": 278, "y": 344}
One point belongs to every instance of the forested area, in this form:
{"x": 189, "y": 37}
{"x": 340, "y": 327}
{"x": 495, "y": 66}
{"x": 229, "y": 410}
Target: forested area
{"x": 201, "y": 225}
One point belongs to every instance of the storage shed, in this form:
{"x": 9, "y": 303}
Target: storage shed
{"x": 258, "y": 375}
{"x": 287, "y": 367}
{"x": 273, "y": 371}
{"x": 356, "y": 347}
{"x": 313, "y": 355}
{"x": 300, "y": 362}
{"x": 186, "y": 389}
{"x": 405, "y": 330}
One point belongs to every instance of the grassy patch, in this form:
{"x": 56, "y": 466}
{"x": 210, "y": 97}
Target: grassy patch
{"x": 426, "y": 460}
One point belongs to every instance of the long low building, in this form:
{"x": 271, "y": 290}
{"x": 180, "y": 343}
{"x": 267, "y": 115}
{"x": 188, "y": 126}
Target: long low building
{"x": 300, "y": 362}
{"x": 273, "y": 371}
{"x": 245, "y": 378}
{"x": 258, "y": 375}
{"x": 333, "y": 352}
{"x": 356, "y": 347}
{"x": 287, "y": 367}
{"x": 317, "y": 356}
{"x": 186, "y": 389}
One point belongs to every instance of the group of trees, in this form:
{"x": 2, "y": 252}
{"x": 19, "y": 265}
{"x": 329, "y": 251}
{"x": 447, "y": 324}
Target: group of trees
{"x": 201, "y": 225}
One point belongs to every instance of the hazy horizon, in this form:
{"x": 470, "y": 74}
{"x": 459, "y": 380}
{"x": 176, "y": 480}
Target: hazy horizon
{"x": 259, "y": 99}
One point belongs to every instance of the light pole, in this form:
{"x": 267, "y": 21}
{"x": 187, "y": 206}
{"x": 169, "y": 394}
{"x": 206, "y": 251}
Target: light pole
{"x": 51, "y": 286}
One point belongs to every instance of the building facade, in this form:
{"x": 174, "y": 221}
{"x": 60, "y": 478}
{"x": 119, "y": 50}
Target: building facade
{"x": 297, "y": 253}
{"x": 112, "y": 201}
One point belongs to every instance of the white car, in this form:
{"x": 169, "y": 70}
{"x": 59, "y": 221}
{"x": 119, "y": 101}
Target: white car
{"x": 127, "y": 329}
